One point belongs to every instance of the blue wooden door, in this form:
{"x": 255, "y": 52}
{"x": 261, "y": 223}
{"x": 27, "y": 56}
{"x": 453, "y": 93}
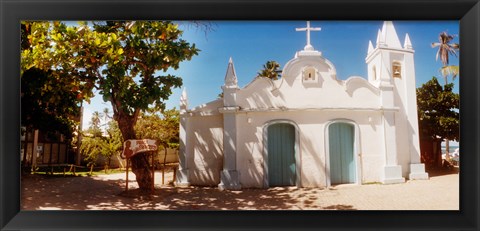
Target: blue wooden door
{"x": 281, "y": 155}
{"x": 342, "y": 162}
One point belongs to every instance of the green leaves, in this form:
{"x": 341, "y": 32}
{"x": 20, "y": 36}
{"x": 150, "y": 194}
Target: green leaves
{"x": 95, "y": 144}
{"x": 144, "y": 50}
{"x": 49, "y": 101}
{"x": 138, "y": 48}
{"x": 123, "y": 60}
{"x": 445, "y": 47}
{"x": 438, "y": 110}
{"x": 451, "y": 70}
{"x": 270, "y": 70}
{"x": 160, "y": 125}
{"x": 120, "y": 51}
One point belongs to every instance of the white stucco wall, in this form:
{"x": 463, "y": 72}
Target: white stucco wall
{"x": 382, "y": 110}
{"x": 312, "y": 145}
{"x": 292, "y": 93}
{"x": 310, "y": 106}
{"x": 204, "y": 146}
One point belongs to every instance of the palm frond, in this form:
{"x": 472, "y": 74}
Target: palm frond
{"x": 435, "y": 45}
{"x": 445, "y": 48}
{"x": 452, "y": 70}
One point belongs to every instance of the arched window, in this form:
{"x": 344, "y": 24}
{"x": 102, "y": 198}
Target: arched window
{"x": 397, "y": 69}
{"x": 374, "y": 73}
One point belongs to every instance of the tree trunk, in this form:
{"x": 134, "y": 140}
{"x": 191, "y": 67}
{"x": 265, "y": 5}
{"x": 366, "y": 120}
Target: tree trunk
{"x": 139, "y": 162}
{"x": 164, "y": 165}
{"x": 447, "y": 145}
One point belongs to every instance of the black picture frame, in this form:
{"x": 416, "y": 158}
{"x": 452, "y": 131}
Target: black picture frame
{"x": 13, "y": 11}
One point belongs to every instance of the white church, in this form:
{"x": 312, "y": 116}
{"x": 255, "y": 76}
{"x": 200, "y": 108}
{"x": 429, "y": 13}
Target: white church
{"x": 308, "y": 129}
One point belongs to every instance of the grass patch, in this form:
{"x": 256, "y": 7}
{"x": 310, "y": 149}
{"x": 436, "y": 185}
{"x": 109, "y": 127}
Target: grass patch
{"x": 79, "y": 171}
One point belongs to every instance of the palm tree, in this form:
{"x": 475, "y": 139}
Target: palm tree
{"x": 106, "y": 116}
{"x": 270, "y": 70}
{"x": 452, "y": 70}
{"x": 95, "y": 124}
{"x": 445, "y": 49}
{"x": 106, "y": 113}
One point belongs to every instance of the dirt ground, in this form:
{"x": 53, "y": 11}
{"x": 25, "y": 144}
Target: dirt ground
{"x": 107, "y": 192}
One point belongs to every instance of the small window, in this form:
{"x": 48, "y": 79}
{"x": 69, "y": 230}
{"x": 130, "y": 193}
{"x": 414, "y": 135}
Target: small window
{"x": 397, "y": 70}
{"x": 374, "y": 73}
{"x": 309, "y": 74}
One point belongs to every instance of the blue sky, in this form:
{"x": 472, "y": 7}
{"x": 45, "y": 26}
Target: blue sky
{"x": 252, "y": 43}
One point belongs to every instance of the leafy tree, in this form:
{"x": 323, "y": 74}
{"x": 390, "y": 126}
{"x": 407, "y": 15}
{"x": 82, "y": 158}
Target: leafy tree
{"x": 91, "y": 149}
{"x": 161, "y": 127}
{"x": 95, "y": 145}
{"x": 171, "y": 123}
{"x": 113, "y": 143}
{"x": 47, "y": 104}
{"x": 438, "y": 112}
{"x": 149, "y": 126}
{"x": 270, "y": 70}
{"x": 125, "y": 61}
{"x": 50, "y": 100}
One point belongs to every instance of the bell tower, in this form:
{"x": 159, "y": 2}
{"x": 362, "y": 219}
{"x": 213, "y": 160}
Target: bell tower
{"x": 391, "y": 68}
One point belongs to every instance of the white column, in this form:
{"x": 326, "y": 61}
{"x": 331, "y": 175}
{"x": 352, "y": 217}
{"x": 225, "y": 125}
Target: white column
{"x": 183, "y": 171}
{"x": 183, "y": 156}
{"x": 229, "y": 176}
{"x": 392, "y": 171}
{"x": 417, "y": 169}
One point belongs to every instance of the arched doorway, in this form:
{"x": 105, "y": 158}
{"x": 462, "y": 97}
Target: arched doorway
{"x": 281, "y": 154}
{"x": 341, "y": 137}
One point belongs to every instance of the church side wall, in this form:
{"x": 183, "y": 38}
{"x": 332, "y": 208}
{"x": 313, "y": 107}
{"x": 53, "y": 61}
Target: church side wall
{"x": 205, "y": 145}
{"x": 312, "y": 151}
{"x": 250, "y": 161}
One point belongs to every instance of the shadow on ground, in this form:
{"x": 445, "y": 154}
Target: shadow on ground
{"x": 442, "y": 171}
{"x": 88, "y": 193}
{"x": 44, "y": 192}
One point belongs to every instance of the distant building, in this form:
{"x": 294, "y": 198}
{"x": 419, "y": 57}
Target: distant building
{"x": 51, "y": 149}
{"x": 308, "y": 129}
{"x": 40, "y": 148}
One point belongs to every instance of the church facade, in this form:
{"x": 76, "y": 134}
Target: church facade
{"x": 308, "y": 129}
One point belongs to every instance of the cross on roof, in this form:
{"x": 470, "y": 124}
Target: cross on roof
{"x": 308, "y": 47}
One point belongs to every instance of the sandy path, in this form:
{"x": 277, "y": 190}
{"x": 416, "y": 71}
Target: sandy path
{"x": 106, "y": 192}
